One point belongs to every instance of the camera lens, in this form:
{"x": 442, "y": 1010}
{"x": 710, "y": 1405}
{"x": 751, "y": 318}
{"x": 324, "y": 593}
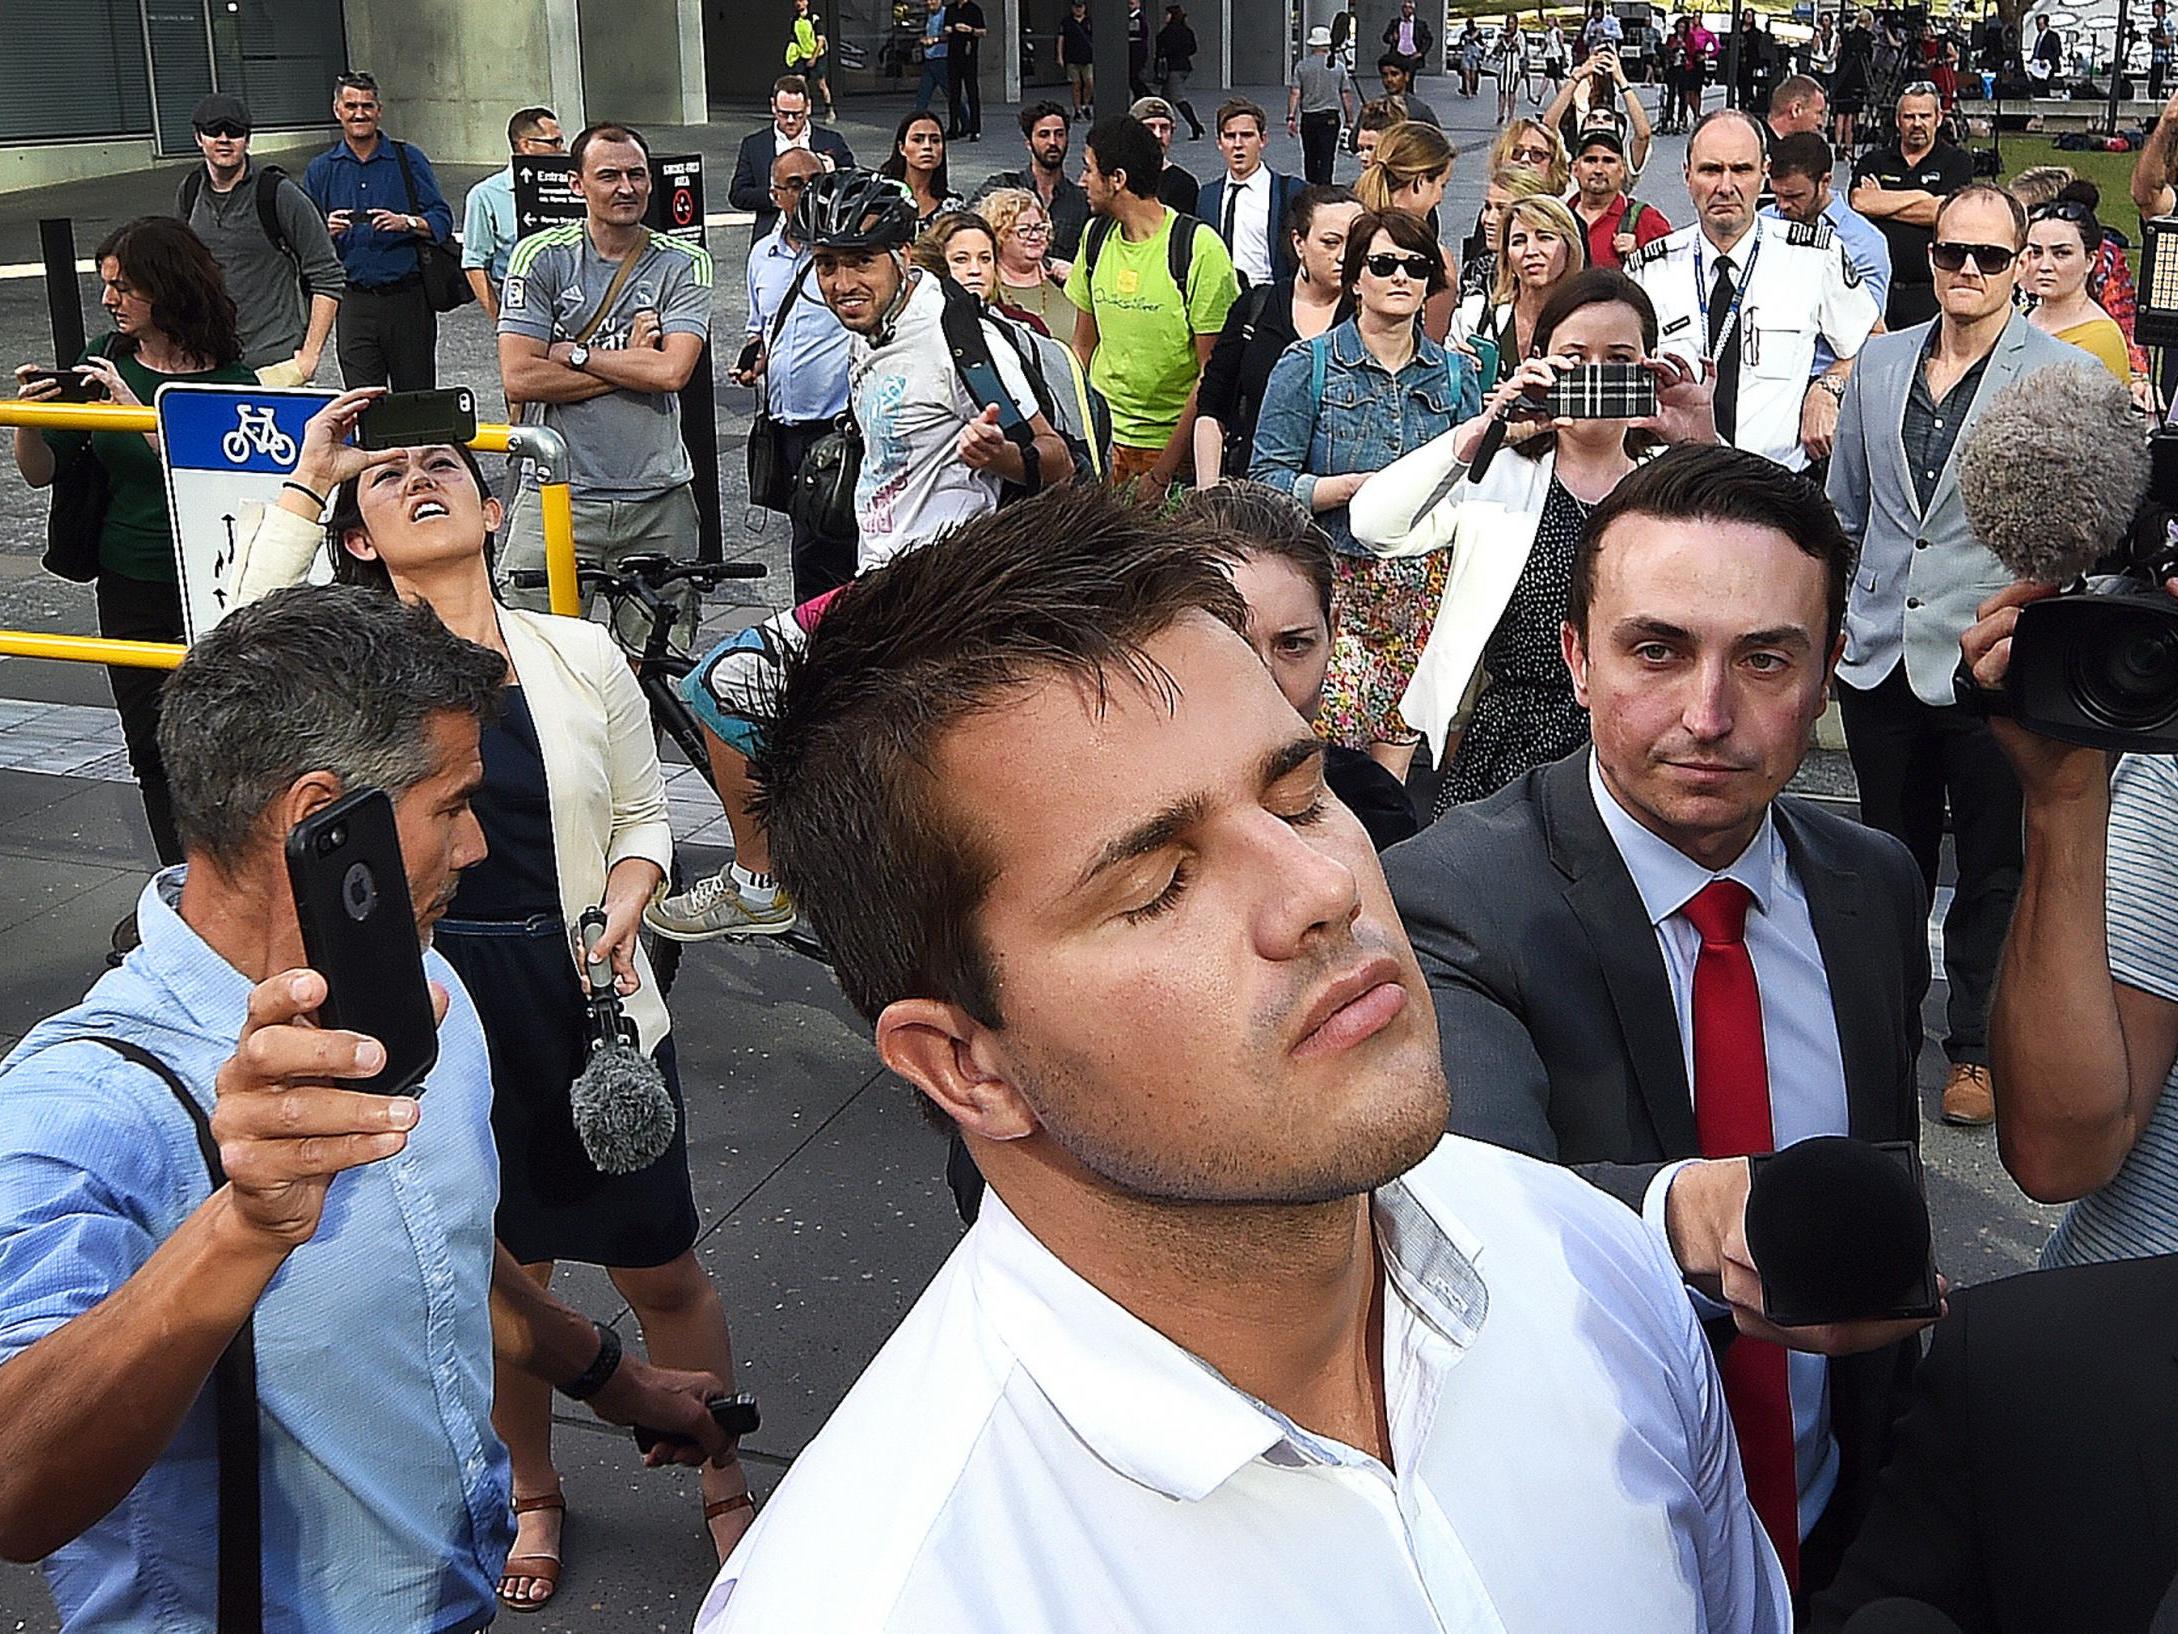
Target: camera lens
{"x": 2129, "y": 682}
{"x": 359, "y": 891}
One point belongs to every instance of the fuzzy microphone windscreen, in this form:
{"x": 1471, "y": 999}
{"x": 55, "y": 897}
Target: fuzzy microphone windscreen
{"x": 2052, "y": 471}
{"x": 622, "y": 1110}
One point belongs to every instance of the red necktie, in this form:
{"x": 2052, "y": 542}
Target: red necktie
{"x": 1732, "y": 1117}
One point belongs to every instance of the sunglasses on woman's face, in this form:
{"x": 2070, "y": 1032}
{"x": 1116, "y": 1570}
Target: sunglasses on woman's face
{"x": 226, "y": 128}
{"x": 1990, "y": 259}
{"x": 1383, "y": 266}
{"x": 1531, "y": 156}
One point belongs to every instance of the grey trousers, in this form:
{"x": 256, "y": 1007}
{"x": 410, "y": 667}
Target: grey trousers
{"x": 607, "y": 531}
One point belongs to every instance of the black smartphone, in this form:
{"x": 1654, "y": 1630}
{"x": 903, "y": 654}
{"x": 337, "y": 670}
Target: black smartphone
{"x": 747, "y": 360}
{"x": 75, "y": 386}
{"x": 1603, "y": 391}
{"x": 410, "y": 419}
{"x": 359, "y": 933}
{"x": 736, "y": 1415}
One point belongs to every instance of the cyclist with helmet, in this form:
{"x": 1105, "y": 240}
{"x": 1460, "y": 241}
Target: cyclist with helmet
{"x": 932, "y": 457}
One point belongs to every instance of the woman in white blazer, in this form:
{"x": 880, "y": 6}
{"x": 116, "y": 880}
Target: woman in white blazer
{"x": 573, "y": 808}
{"x": 1512, "y": 535}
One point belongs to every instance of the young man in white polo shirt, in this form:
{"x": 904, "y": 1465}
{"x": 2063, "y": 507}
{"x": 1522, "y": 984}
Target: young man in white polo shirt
{"x": 1240, "y": 1339}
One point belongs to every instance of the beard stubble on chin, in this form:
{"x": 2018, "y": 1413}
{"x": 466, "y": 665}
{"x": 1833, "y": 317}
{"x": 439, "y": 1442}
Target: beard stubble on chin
{"x": 1295, "y": 1155}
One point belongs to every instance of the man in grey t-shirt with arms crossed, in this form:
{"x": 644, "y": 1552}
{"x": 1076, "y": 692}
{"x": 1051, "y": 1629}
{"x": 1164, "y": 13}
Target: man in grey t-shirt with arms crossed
{"x": 601, "y": 323}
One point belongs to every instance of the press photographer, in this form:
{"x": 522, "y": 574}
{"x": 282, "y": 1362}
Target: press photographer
{"x": 189, "y": 1194}
{"x": 2084, "y": 1027}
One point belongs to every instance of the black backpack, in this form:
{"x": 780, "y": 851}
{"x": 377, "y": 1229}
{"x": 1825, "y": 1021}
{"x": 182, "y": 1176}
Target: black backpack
{"x": 1179, "y": 248}
{"x": 269, "y": 178}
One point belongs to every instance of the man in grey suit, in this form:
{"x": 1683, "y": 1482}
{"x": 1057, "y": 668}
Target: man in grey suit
{"x": 1564, "y": 925}
{"x": 1921, "y": 575}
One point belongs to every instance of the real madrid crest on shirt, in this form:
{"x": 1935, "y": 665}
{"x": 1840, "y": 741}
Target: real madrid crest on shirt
{"x": 1791, "y": 283}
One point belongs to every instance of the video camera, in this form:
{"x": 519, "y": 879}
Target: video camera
{"x": 2060, "y": 485}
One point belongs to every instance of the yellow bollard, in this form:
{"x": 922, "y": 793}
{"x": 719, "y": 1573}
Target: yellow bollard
{"x": 538, "y": 444}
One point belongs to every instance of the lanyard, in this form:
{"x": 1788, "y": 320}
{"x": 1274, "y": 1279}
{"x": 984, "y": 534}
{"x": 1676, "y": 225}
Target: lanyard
{"x": 1710, "y": 354}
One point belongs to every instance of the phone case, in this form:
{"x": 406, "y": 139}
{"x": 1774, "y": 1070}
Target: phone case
{"x": 413, "y": 419}
{"x": 359, "y": 933}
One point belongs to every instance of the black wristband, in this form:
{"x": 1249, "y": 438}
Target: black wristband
{"x": 1032, "y": 467}
{"x": 306, "y": 491}
{"x": 593, "y": 1378}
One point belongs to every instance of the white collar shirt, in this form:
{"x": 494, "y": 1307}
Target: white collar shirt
{"x": 1025, "y": 1454}
{"x": 1799, "y": 1042}
{"x": 1801, "y": 288}
{"x": 1248, "y": 205}
{"x": 783, "y": 143}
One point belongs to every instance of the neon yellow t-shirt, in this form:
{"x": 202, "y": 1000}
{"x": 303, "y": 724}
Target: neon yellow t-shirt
{"x": 1145, "y": 363}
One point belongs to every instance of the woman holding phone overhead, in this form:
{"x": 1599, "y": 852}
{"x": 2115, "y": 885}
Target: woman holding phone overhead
{"x": 1511, "y": 530}
{"x": 172, "y": 321}
{"x": 573, "y": 808}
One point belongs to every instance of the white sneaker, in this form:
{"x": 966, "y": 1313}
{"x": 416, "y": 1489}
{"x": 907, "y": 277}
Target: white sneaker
{"x": 715, "y": 907}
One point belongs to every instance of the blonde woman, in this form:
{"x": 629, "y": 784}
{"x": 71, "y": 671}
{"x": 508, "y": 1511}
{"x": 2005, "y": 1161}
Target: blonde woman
{"x": 1533, "y": 145}
{"x": 1409, "y": 171}
{"x": 1479, "y": 271}
{"x": 1538, "y": 247}
{"x": 1026, "y": 281}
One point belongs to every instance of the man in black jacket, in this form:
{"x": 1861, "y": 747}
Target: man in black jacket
{"x": 2035, "y": 1486}
{"x": 790, "y": 127}
{"x": 1647, "y": 964}
{"x": 1409, "y": 37}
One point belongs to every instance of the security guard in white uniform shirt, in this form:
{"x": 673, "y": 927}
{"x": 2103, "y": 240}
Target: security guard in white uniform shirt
{"x": 1752, "y": 296}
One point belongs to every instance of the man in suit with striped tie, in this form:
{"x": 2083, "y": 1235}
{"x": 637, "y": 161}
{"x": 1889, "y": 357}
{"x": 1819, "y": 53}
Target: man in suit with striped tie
{"x": 1648, "y": 963}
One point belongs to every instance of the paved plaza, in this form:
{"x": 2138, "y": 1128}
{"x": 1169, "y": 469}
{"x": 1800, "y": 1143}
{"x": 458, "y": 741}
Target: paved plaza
{"x": 820, "y": 1188}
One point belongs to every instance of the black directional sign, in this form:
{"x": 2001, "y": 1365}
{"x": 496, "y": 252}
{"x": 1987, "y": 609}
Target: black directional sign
{"x": 544, "y": 193}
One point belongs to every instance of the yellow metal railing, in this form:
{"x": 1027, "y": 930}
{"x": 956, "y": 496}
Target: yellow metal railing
{"x": 538, "y": 444}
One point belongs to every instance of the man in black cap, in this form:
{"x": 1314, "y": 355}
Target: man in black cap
{"x": 270, "y": 242}
{"x": 1616, "y": 225}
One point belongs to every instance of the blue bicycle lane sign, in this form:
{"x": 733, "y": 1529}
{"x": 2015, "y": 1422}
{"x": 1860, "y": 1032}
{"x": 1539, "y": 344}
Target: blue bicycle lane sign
{"x": 226, "y": 450}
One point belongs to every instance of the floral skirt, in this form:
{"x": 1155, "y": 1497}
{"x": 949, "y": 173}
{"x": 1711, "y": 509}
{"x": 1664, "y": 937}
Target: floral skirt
{"x": 1381, "y": 615}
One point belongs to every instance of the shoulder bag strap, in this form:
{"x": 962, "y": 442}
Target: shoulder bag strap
{"x": 620, "y": 282}
{"x": 234, "y": 1384}
{"x": 408, "y": 186}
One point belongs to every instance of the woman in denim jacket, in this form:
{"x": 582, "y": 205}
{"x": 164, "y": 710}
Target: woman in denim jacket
{"x": 1346, "y": 404}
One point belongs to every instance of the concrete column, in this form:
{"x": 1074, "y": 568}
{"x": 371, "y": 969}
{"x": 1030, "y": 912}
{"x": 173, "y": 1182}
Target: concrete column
{"x": 638, "y": 57}
{"x": 452, "y": 74}
{"x": 1256, "y": 50}
{"x": 1005, "y": 36}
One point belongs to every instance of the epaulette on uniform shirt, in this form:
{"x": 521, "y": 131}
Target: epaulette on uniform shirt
{"x": 1654, "y": 250}
{"x": 1817, "y": 233}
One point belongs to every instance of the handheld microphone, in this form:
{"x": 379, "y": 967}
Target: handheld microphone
{"x": 1839, "y": 1230}
{"x": 1897, "y": 1616}
{"x": 622, "y": 1110}
{"x": 2053, "y": 471}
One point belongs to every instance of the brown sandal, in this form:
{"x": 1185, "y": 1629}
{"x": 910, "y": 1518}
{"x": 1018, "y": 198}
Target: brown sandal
{"x": 544, "y": 1568}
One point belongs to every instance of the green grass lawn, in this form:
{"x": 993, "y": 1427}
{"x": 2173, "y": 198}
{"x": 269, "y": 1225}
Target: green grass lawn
{"x": 2112, "y": 172}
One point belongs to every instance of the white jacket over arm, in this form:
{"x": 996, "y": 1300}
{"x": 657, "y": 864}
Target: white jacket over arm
{"x": 593, "y": 728}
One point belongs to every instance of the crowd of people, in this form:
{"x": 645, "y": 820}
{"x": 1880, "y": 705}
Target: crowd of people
{"x": 1261, "y": 503}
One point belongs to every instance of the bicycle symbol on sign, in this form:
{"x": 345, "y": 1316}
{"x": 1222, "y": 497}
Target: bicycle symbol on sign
{"x": 257, "y": 430}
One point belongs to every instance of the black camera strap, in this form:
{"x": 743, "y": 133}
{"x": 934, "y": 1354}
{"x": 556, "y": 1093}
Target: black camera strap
{"x": 234, "y": 1385}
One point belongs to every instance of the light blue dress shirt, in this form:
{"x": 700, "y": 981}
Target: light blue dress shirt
{"x": 385, "y": 1490}
{"x": 488, "y": 224}
{"x": 806, "y": 378}
{"x": 1799, "y": 1041}
{"x": 1868, "y": 251}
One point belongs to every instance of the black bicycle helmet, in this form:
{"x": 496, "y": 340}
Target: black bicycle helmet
{"x": 855, "y": 210}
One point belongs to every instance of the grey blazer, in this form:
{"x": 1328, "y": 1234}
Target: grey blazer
{"x": 1928, "y": 564}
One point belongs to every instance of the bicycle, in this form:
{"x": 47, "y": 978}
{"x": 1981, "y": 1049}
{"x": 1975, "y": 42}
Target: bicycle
{"x": 640, "y": 584}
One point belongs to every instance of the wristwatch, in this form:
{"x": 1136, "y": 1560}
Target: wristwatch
{"x": 592, "y": 1379}
{"x": 578, "y": 357}
{"x": 1832, "y": 384}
